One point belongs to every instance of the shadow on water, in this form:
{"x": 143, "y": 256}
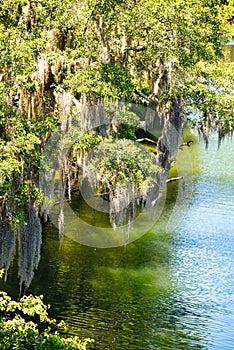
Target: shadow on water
{"x": 163, "y": 291}
{"x": 122, "y": 297}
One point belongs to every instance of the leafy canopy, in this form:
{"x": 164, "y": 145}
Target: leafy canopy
{"x": 25, "y": 325}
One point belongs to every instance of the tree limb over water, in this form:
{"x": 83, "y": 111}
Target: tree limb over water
{"x": 142, "y": 95}
{"x": 51, "y": 72}
{"x": 146, "y": 139}
{"x": 173, "y": 179}
{"x": 185, "y": 144}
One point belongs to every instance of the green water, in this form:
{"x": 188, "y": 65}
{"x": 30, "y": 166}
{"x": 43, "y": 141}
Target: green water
{"x": 166, "y": 290}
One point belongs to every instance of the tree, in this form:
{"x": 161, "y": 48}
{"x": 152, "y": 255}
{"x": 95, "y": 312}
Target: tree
{"x": 25, "y": 324}
{"x": 58, "y": 58}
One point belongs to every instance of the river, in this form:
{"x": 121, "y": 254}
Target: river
{"x": 166, "y": 290}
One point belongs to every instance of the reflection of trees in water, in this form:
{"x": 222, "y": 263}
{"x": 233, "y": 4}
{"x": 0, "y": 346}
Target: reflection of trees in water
{"x": 29, "y": 235}
{"x": 127, "y": 294}
{"x": 124, "y": 297}
{"x": 122, "y": 206}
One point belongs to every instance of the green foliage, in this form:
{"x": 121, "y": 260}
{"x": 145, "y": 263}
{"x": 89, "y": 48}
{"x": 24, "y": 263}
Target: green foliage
{"x": 118, "y": 78}
{"x": 18, "y": 218}
{"x": 124, "y": 131}
{"x": 125, "y": 121}
{"x": 4, "y": 188}
{"x": 20, "y": 142}
{"x": 100, "y": 51}
{"x": 125, "y": 116}
{"x": 112, "y": 164}
{"x": 104, "y": 50}
{"x": 213, "y": 97}
{"x": 27, "y": 193}
{"x": 101, "y": 81}
{"x": 25, "y": 325}
{"x": 86, "y": 141}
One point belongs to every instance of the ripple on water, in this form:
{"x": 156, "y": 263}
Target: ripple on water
{"x": 204, "y": 261}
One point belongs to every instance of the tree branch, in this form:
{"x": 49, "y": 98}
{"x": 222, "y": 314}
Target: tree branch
{"x": 172, "y": 179}
{"x": 60, "y": 202}
{"x": 142, "y": 95}
{"x": 185, "y": 144}
{"x": 146, "y": 139}
{"x": 136, "y": 49}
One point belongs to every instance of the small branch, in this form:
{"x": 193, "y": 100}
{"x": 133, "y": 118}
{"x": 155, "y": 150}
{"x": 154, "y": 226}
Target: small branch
{"x": 142, "y": 95}
{"x": 60, "y": 202}
{"x": 185, "y": 144}
{"x": 101, "y": 194}
{"x": 174, "y": 179}
{"x": 146, "y": 139}
{"x": 136, "y": 49}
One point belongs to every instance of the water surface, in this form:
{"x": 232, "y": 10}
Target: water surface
{"x": 167, "y": 290}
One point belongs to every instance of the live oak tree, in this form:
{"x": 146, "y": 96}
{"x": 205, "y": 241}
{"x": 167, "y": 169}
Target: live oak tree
{"x": 100, "y": 50}
{"x": 58, "y": 58}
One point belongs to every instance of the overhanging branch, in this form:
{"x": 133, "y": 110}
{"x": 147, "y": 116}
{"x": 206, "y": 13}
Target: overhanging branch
{"x": 185, "y": 144}
{"x": 172, "y": 179}
{"x": 146, "y": 139}
{"x": 142, "y": 95}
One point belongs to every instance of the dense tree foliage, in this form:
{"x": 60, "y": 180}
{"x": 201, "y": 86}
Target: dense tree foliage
{"x": 98, "y": 50}
{"x": 60, "y": 58}
{"x": 25, "y": 324}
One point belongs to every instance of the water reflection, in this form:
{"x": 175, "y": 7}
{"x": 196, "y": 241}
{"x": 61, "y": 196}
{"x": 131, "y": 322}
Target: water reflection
{"x": 163, "y": 291}
{"x": 123, "y": 297}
